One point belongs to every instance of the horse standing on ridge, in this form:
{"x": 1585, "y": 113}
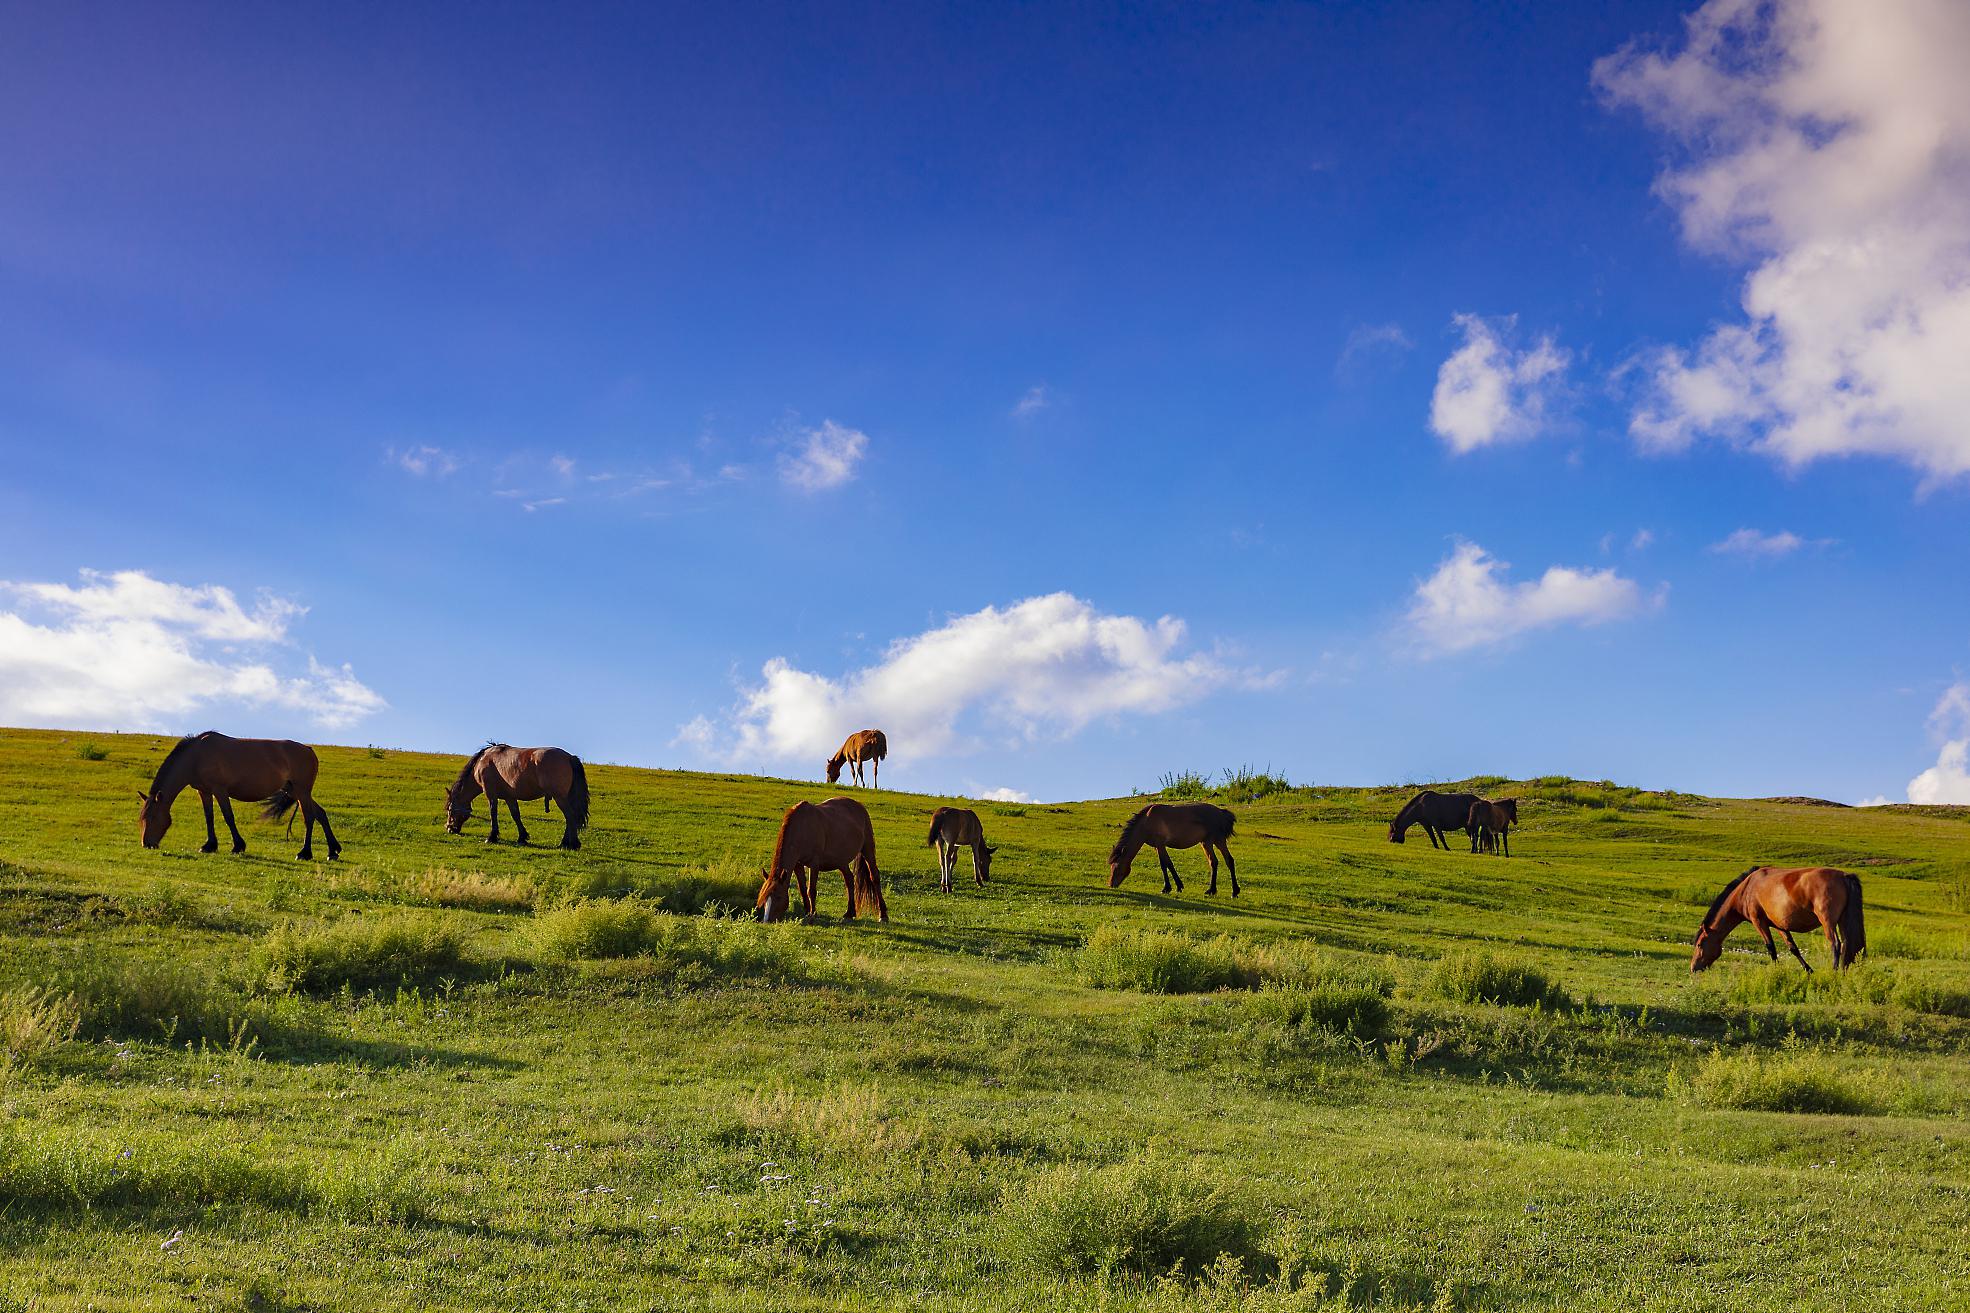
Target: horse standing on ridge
{"x": 279, "y": 772}
{"x": 952, "y": 828}
{"x": 515, "y": 775}
{"x": 829, "y": 836}
{"x": 1437, "y": 813}
{"x": 1490, "y": 825}
{"x": 1167, "y": 825}
{"x": 1787, "y": 899}
{"x": 864, "y": 745}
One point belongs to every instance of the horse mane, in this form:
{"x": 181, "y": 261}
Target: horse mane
{"x": 179, "y": 749}
{"x": 465, "y": 771}
{"x": 1710, "y": 914}
{"x": 1128, "y": 829}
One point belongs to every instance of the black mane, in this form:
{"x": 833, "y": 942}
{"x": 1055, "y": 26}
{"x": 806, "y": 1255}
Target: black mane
{"x": 178, "y": 749}
{"x": 1128, "y": 828}
{"x": 1710, "y": 914}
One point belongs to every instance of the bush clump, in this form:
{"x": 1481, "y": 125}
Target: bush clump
{"x": 1797, "y": 1080}
{"x": 362, "y": 952}
{"x": 1143, "y": 1217}
{"x": 676, "y": 947}
{"x": 1169, "y": 962}
{"x": 1485, "y": 977}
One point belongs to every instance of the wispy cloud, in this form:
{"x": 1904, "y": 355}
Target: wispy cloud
{"x": 424, "y": 461}
{"x": 1468, "y": 602}
{"x": 1827, "y": 144}
{"x": 1042, "y": 668}
{"x": 1371, "y": 342}
{"x": 1489, "y": 391}
{"x": 824, "y": 457}
{"x": 127, "y": 651}
{"x": 1758, "y": 545}
{"x": 1036, "y": 400}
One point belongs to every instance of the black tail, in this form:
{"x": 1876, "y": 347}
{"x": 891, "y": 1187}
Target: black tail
{"x": 575, "y": 806}
{"x": 280, "y": 805}
{"x": 1853, "y": 924}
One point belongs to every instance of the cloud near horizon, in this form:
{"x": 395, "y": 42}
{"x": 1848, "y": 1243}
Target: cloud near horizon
{"x": 1489, "y": 392}
{"x": 1045, "y": 667}
{"x": 1468, "y": 603}
{"x": 1948, "y": 781}
{"x": 126, "y": 651}
{"x": 1828, "y": 144}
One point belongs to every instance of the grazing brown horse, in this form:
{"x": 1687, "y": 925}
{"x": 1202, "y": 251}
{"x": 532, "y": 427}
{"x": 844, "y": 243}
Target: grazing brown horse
{"x": 827, "y": 836}
{"x": 952, "y": 828}
{"x": 864, "y": 745}
{"x": 1785, "y": 899}
{"x": 1437, "y": 813}
{"x": 279, "y": 772}
{"x": 515, "y": 775}
{"x": 1167, "y": 825}
{"x": 1490, "y": 825}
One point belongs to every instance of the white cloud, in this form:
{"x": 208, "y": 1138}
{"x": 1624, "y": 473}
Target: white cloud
{"x": 1468, "y": 603}
{"x": 1035, "y": 401}
{"x": 1368, "y": 342}
{"x": 1001, "y": 795}
{"x": 826, "y": 458}
{"x": 1642, "y": 541}
{"x": 435, "y": 461}
{"x": 1489, "y": 392}
{"x": 1043, "y": 667}
{"x": 1829, "y": 144}
{"x": 1752, "y": 543}
{"x": 126, "y": 651}
{"x": 1948, "y": 781}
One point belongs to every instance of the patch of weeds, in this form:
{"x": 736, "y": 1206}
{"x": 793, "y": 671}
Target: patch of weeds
{"x": 1795, "y": 1080}
{"x": 92, "y": 752}
{"x": 664, "y": 947}
{"x": 362, "y": 952}
{"x": 1143, "y": 1217}
{"x": 34, "y": 1023}
{"x": 168, "y": 1002}
{"x": 1479, "y": 976}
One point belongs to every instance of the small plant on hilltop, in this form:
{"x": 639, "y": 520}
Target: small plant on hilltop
{"x": 92, "y": 752}
{"x": 1184, "y": 784}
{"x": 1485, "y": 977}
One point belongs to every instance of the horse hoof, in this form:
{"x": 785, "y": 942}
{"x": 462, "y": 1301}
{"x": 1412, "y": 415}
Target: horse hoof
{"x": 239, "y": 848}
{"x": 305, "y": 855}
{"x": 212, "y": 847}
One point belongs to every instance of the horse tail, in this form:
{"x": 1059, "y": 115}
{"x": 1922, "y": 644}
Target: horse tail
{"x": 1230, "y": 822}
{"x": 936, "y": 824}
{"x": 575, "y": 806}
{"x": 1853, "y": 924}
{"x": 280, "y": 803}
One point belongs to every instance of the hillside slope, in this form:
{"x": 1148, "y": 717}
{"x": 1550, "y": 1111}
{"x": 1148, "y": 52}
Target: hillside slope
{"x": 437, "y": 1074}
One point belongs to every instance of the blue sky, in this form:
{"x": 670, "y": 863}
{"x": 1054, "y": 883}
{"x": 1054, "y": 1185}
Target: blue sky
{"x": 1377, "y": 392}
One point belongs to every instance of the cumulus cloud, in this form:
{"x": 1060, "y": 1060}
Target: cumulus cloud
{"x": 1828, "y": 145}
{"x": 1750, "y": 542}
{"x": 1044, "y": 667}
{"x": 1488, "y": 391}
{"x": 1035, "y": 401}
{"x": 126, "y": 651}
{"x": 1001, "y": 795}
{"x": 424, "y": 460}
{"x": 1948, "y": 781}
{"x": 1468, "y": 603}
{"x": 824, "y": 458}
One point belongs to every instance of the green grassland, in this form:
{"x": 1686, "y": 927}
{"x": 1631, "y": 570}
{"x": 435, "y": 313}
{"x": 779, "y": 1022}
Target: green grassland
{"x": 441, "y": 1075}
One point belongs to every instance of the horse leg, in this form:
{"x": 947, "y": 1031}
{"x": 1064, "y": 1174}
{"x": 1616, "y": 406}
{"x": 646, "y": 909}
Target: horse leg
{"x": 1169, "y": 870}
{"x": 1834, "y": 941}
{"x": 513, "y": 810}
{"x": 1230, "y": 866}
{"x": 1212, "y": 857}
{"x": 211, "y": 844}
{"x": 1789, "y": 943}
{"x": 226, "y": 810}
{"x": 877, "y": 768}
{"x": 977, "y": 877}
{"x": 1505, "y": 842}
{"x": 1435, "y": 838}
{"x": 805, "y": 880}
{"x": 1764, "y": 929}
{"x": 492, "y": 811}
{"x": 321, "y": 814}
{"x": 848, "y": 883}
{"x": 307, "y": 853}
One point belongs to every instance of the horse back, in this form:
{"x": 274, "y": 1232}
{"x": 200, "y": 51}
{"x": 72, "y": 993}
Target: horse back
{"x": 824, "y": 835}
{"x": 252, "y": 769}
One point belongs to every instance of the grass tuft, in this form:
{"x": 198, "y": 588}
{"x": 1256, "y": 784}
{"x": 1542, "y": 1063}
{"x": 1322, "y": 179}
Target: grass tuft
{"x": 1143, "y": 1217}
{"x": 1797, "y": 1080}
{"x": 362, "y": 952}
{"x": 671, "y": 948}
{"x": 92, "y": 752}
{"x": 34, "y": 1024}
{"x": 1485, "y": 977}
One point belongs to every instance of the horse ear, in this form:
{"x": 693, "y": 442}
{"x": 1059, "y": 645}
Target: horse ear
{"x": 990, "y": 848}
{"x": 142, "y": 796}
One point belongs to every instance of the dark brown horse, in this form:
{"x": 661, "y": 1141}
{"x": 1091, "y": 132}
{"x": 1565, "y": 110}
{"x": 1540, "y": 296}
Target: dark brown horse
{"x": 952, "y": 828}
{"x": 515, "y": 775}
{"x": 1490, "y": 825}
{"x": 1437, "y": 813}
{"x": 864, "y": 745}
{"x": 827, "y": 836}
{"x": 1167, "y": 825}
{"x": 279, "y": 772}
{"x": 1785, "y": 899}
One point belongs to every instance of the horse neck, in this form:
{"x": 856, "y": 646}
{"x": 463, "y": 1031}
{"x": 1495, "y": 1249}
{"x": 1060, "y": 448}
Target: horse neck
{"x": 174, "y": 775}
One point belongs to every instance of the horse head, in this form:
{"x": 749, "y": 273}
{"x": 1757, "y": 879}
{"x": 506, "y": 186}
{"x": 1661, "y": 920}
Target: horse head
{"x": 458, "y": 806}
{"x": 834, "y": 769}
{"x": 985, "y": 862}
{"x": 773, "y": 896}
{"x": 1397, "y": 833}
{"x": 1709, "y": 946}
{"x": 154, "y": 818}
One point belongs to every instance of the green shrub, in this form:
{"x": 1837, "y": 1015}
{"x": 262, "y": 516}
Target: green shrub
{"x": 670, "y": 948}
{"x": 34, "y": 1023}
{"x": 1354, "y": 1007}
{"x": 1477, "y": 976}
{"x": 92, "y": 752}
{"x": 362, "y": 952}
{"x": 1184, "y": 784}
{"x": 173, "y": 1002}
{"x": 1793, "y": 1081}
{"x": 1142, "y": 1217}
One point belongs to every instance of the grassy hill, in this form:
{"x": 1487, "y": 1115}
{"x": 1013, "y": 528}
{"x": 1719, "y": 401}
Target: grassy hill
{"x": 437, "y": 1075}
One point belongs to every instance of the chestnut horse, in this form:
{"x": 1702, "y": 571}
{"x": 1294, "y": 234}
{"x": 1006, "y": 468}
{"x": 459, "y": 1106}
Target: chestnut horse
{"x": 827, "y": 836}
{"x": 952, "y": 828}
{"x": 1787, "y": 899}
{"x": 279, "y": 772}
{"x": 1437, "y": 813}
{"x": 1167, "y": 825}
{"x": 864, "y": 745}
{"x": 1490, "y": 825}
{"x": 515, "y": 775}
